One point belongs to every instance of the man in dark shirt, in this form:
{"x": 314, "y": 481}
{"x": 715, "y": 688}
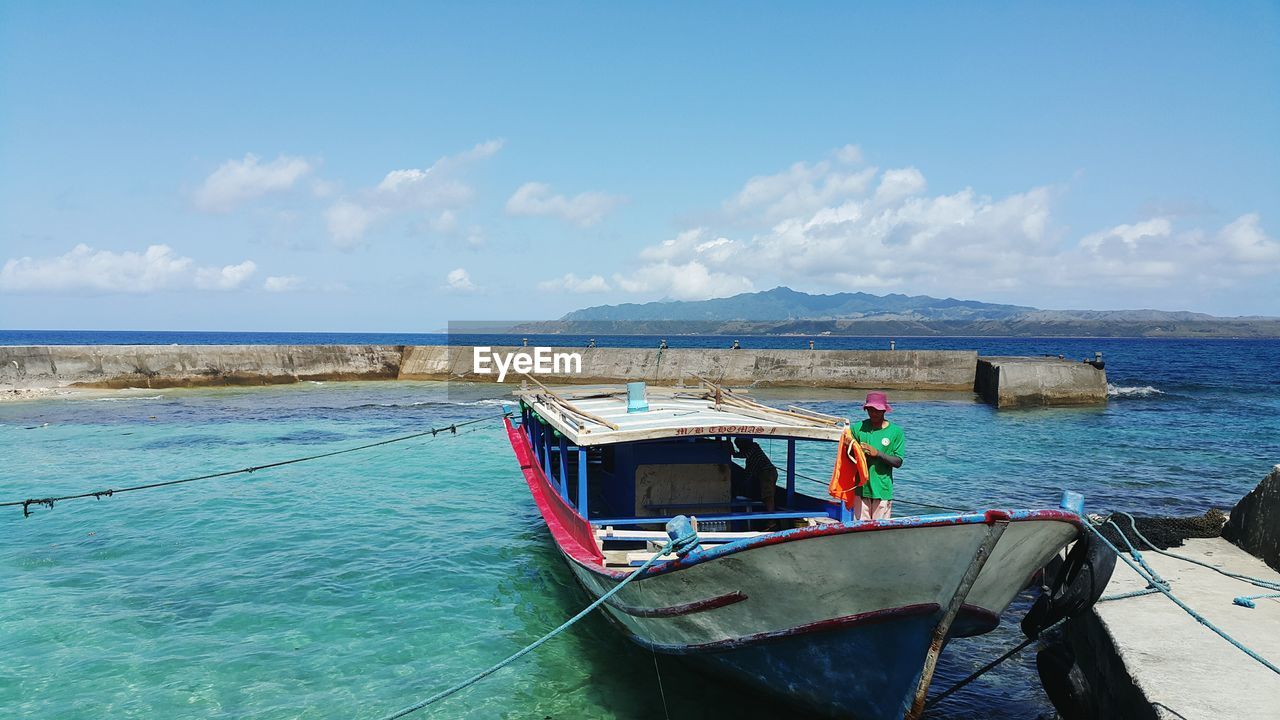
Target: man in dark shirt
{"x": 761, "y": 473}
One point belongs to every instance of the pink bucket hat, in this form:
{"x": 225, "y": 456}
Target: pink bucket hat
{"x": 877, "y": 400}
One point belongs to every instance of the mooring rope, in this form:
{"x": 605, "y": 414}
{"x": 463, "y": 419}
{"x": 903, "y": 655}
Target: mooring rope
{"x": 683, "y": 541}
{"x": 1155, "y": 584}
{"x": 989, "y": 666}
{"x": 109, "y": 492}
{"x": 1177, "y": 601}
{"x": 1265, "y": 584}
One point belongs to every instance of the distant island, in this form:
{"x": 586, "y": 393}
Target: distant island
{"x": 783, "y": 311}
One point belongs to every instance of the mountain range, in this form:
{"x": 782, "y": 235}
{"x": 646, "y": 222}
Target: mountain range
{"x": 786, "y": 311}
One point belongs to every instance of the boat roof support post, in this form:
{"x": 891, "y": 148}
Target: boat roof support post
{"x": 546, "y": 451}
{"x": 582, "y": 481}
{"x": 997, "y": 522}
{"x": 564, "y": 467}
{"x": 791, "y": 472}
{"x": 535, "y": 440}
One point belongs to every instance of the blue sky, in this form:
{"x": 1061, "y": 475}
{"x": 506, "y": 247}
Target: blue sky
{"x": 395, "y": 166}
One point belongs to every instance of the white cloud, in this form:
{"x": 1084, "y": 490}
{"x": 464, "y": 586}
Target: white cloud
{"x": 692, "y": 244}
{"x": 819, "y": 227}
{"x": 459, "y": 280}
{"x": 849, "y": 154}
{"x": 282, "y": 283}
{"x": 236, "y": 181}
{"x": 1152, "y": 254}
{"x": 85, "y": 269}
{"x": 686, "y": 281}
{"x": 898, "y": 184}
{"x": 1129, "y": 235}
{"x": 484, "y": 150}
{"x": 438, "y": 189}
{"x": 584, "y": 209}
{"x": 799, "y": 189}
{"x": 574, "y": 284}
{"x": 228, "y": 277}
{"x": 348, "y": 221}
{"x": 1244, "y": 241}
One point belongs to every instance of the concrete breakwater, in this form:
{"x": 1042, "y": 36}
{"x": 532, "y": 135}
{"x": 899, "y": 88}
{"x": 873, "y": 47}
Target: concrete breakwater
{"x": 1142, "y": 656}
{"x": 162, "y": 366}
{"x": 1048, "y": 381}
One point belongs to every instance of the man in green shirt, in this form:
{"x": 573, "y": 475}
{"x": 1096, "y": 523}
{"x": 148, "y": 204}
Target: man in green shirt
{"x": 882, "y": 442}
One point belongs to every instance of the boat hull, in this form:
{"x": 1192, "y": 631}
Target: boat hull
{"x": 838, "y": 617}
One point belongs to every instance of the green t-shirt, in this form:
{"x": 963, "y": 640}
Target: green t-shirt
{"x": 887, "y": 440}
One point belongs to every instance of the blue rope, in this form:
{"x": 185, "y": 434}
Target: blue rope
{"x": 1248, "y": 600}
{"x": 682, "y": 546}
{"x": 1169, "y": 594}
{"x": 1121, "y": 596}
{"x": 540, "y": 641}
{"x": 1156, "y": 580}
{"x": 1264, "y": 584}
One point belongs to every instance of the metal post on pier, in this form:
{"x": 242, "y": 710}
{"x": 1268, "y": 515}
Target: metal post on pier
{"x": 791, "y": 473}
{"x": 582, "y": 481}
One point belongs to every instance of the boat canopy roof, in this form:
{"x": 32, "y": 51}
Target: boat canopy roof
{"x": 597, "y": 415}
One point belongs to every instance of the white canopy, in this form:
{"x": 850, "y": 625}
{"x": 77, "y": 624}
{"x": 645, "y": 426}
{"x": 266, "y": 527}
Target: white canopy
{"x": 598, "y": 415}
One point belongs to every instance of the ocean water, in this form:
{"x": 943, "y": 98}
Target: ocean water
{"x": 352, "y": 586}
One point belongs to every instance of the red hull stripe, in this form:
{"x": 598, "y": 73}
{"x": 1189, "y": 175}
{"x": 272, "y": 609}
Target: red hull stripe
{"x": 696, "y": 606}
{"x": 571, "y": 531}
{"x": 867, "y": 618}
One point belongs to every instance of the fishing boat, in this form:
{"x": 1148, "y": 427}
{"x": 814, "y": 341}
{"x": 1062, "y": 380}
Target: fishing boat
{"x": 801, "y": 601}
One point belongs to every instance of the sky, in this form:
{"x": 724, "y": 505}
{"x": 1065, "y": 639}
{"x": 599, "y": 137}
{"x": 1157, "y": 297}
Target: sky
{"x": 396, "y": 166}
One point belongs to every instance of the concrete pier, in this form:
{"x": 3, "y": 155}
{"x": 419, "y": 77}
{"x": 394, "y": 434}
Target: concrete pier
{"x": 162, "y": 366}
{"x": 1144, "y": 657}
{"x": 1005, "y": 382}
{"x": 1011, "y": 382}
{"x": 889, "y": 369}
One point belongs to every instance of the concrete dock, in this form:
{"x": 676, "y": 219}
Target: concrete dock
{"x": 1144, "y": 657}
{"x": 1004, "y": 382}
{"x": 1010, "y": 382}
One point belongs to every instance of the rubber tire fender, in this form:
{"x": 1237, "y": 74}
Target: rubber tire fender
{"x": 1074, "y": 588}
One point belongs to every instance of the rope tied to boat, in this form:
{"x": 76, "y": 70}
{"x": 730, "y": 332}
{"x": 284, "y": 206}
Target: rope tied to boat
{"x": 680, "y": 538}
{"x": 48, "y": 502}
{"x": 684, "y": 537}
{"x": 1153, "y": 585}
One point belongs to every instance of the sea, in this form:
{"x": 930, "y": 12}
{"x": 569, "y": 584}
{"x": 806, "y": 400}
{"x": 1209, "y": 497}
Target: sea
{"x": 354, "y": 585}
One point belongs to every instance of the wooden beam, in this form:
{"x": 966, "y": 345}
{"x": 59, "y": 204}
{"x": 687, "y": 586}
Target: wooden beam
{"x": 570, "y": 406}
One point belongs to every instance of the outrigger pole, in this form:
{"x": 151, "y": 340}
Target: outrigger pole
{"x": 997, "y": 521}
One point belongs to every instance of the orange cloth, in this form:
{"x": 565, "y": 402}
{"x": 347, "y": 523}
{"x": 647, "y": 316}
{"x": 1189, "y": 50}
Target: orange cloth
{"x": 850, "y": 473}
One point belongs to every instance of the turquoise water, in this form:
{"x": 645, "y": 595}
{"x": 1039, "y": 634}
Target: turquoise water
{"x": 356, "y": 585}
